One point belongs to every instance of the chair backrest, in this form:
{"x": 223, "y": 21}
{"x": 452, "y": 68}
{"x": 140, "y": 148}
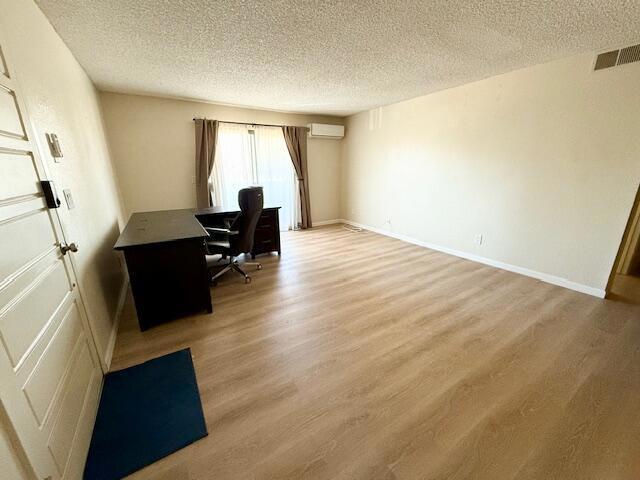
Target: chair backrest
{"x": 251, "y": 200}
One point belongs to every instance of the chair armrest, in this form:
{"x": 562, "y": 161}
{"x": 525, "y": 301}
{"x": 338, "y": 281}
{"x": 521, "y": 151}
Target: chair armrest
{"x": 221, "y": 231}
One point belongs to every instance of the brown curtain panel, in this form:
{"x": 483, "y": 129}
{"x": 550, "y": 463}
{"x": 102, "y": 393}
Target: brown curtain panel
{"x": 206, "y": 141}
{"x": 296, "y": 139}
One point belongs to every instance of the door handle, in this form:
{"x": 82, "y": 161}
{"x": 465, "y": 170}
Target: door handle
{"x": 64, "y": 248}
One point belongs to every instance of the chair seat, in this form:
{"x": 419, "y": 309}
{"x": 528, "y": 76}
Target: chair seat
{"x": 213, "y": 260}
{"x": 221, "y": 246}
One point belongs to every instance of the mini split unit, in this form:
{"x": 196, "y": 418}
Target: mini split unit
{"x": 322, "y": 130}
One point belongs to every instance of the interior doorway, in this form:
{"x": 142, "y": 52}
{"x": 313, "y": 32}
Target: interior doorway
{"x": 624, "y": 281}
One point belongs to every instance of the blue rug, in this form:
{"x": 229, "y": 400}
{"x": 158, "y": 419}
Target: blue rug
{"x": 146, "y": 412}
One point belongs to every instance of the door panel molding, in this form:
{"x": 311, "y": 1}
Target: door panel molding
{"x": 20, "y": 167}
{"x": 79, "y": 385}
{"x": 42, "y": 300}
{"x": 11, "y": 124}
{"x": 46, "y": 379}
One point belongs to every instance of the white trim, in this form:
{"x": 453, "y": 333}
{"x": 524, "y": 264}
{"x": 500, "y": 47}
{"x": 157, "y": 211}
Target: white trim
{"x": 327, "y": 222}
{"x": 108, "y": 354}
{"x": 545, "y": 277}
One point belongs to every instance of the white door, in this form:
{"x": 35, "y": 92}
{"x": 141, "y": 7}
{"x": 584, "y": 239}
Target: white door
{"x": 50, "y": 376}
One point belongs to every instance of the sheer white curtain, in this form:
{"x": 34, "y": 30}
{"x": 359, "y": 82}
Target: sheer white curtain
{"x": 248, "y": 155}
{"x": 277, "y": 176}
{"x": 233, "y": 168}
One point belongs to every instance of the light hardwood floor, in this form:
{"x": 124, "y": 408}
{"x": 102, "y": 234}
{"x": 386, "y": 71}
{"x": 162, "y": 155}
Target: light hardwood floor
{"x": 356, "y": 356}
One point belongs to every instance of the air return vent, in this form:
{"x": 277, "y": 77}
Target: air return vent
{"x": 629, "y": 54}
{"x": 618, "y": 57}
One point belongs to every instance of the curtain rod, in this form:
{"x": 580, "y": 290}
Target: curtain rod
{"x": 247, "y": 123}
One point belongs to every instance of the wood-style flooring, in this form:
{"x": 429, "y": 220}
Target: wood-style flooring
{"x": 357, "y": 356}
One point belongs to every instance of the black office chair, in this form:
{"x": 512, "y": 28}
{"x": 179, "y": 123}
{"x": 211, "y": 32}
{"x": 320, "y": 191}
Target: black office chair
{"x": 237, "y": 237}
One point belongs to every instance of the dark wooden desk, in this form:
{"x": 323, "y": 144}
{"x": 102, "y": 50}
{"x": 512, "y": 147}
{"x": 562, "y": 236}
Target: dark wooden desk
{"x": 165, "y": 255}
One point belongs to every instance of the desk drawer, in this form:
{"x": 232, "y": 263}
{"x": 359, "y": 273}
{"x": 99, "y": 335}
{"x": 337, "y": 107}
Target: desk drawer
{"x": 265, "y": 245}
{"x": 265, "y": 240}
{"x": 268, "y": 216}
{"x": 267, "y": 235}
{"x": 264, "y": 234}
{"x": 265, "y": 227}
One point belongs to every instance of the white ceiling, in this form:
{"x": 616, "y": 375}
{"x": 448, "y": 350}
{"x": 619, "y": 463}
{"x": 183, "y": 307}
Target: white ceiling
{"x": 332, "y": 57}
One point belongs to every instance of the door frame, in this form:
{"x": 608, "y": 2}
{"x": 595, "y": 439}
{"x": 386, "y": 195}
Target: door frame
{"x": 634, "y": 215}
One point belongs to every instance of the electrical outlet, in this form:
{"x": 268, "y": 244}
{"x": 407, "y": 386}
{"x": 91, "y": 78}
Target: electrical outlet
{"x": 479, "y": 239}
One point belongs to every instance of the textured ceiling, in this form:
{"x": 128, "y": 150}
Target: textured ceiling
{"x": 332, "y": 57}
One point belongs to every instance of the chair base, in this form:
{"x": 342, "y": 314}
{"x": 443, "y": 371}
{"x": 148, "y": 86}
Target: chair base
{"x": 234, "y": 266}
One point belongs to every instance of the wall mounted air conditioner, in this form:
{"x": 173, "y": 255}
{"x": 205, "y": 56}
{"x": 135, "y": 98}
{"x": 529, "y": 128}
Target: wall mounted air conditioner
{"x": 322, "y": 130}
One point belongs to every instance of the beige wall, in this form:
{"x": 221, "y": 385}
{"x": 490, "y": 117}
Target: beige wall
{"x": 61, "y": 99}
{"x": 544, "y": 162}
{"x": 152, "y": 141}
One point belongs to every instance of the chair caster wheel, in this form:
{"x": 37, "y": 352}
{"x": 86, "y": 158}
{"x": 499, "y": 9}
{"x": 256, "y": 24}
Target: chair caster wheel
{"x": 259, "y": 266}
{"x": 247, "y": 279}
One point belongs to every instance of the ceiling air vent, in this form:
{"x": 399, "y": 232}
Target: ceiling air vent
{"x": 618, "y": 57}
{"x": 629, "y": 54}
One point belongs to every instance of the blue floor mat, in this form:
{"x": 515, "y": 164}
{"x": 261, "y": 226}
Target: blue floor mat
{"x": 146, "y": 412}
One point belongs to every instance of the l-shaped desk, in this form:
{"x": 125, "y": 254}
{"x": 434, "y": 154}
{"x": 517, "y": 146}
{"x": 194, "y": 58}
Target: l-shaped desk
{"x": 165, "y": 255}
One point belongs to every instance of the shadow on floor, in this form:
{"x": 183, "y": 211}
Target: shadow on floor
{"x": 626, "y": 288}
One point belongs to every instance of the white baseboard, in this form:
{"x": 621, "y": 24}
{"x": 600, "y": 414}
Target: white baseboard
{"x": 327, "y": 222}
{"x": 108, "y": 355}
{"x": 545, "y": 277}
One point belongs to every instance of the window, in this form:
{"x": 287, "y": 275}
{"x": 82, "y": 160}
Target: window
{"x": 255, "y": 155}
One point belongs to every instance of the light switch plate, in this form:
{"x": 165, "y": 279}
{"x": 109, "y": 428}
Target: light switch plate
{"x": 69, "y": 199}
